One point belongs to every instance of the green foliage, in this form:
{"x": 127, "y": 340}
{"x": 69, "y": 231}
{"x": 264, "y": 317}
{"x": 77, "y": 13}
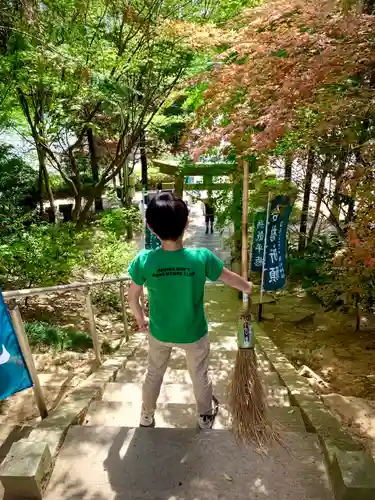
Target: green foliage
{"x": 106, "y": 68}
{"x": 118, "y": 220}
{"x": 155, "y": 177}
{"x": 313, "y": 266}
{"x": 107, "y": 298}
{"x": 42, "y": 334}
{"x": 226, "y": 10}
{"x": 111, "y": 256}
{"x": 61, "y": 189}
{"x": 41, "y": 255}
{"x": 18, "y": 185}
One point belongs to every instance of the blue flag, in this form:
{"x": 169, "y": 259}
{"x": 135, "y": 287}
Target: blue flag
{"x": 14, "y": 375}
{"x": 280, "y": 210}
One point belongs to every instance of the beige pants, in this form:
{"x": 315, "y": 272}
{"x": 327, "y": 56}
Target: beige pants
{"x": 197, "y": 358}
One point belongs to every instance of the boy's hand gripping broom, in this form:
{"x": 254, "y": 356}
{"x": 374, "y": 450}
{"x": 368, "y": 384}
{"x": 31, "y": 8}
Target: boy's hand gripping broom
{"x": 247, "y": 400}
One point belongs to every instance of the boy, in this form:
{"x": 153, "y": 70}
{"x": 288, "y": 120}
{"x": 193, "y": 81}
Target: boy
{"x": 175, "y": 277}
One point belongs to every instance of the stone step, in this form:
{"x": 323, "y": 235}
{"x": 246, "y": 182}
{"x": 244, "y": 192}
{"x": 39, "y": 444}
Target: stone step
{"x": 132, "y": 393}
{"x": 177, "y": 388}
{"x": 115, "y": 413}
{"x": 120, "y": 463}
{"x": 135, "y": 372}
{"x": 9, "y": 433}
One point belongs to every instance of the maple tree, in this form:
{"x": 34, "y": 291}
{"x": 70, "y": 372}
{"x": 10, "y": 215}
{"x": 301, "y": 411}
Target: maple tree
{"x": 291, "y": 66}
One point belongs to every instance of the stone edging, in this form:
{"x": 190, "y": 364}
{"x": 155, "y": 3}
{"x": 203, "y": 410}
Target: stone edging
{"x": 350, "y": 467}
{"x": 26, "y": 469}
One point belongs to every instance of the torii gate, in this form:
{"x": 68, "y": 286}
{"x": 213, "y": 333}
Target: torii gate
{"x": 207, "y": 170}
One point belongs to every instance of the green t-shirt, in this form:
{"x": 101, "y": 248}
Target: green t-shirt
{"x": 175, "y": 281}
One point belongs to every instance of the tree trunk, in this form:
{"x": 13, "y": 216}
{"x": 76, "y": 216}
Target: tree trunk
{"x": 288, "y": 162}
{"x": 94, "y": 168}
{"x": 306, "y": 200}
{"x": 336, "y": 202}
{"x": 44, "y": 178}
{"x": 84, "y": 214}
{"x": 351, "y": 211}
{"x": 319, "y": 197}
{"x": 142, "y": 149}
{"x": 49, "y": 194}
{"x": 77, "y": 207}
{"x": 40, "y": 191}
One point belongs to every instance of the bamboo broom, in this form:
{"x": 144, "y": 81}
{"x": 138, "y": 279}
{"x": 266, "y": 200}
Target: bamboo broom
{"x": 246, "y": 399}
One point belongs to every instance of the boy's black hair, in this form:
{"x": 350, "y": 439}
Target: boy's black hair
{"x": 167, "y": 216}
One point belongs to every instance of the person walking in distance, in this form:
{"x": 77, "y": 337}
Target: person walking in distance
{"x": 209, "y": 212}
{"x": 175, "y": 277}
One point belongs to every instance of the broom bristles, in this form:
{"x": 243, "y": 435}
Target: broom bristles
{"x": 249, "y": 415}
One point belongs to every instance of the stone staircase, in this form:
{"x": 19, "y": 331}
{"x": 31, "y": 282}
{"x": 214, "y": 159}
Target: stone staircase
{"x": 110, "y": 457}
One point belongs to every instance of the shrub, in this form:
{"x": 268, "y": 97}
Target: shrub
{"x": 41, "y": 255}
{"x": 118, "y": 221}
{"x": 46, "y": 335}
{"x": 63, "y": 190}
{"x": 18, "y": 185}
{"x": 352, "y": 287}
{"x": 313, "y": 266}
{"x": 111, "y": 256}
{"x": 107, "y": 297}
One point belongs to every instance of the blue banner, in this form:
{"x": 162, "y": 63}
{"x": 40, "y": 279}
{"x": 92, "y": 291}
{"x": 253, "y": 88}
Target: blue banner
{"x": 275, "y": 264}
{"x": 259, "y": 233}
{"x": 14, "y": 375}
{"x": 151, "y": 241}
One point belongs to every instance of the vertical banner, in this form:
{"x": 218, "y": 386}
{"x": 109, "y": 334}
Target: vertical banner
{"x": 151, "y": 241}
{"x": 14, "y": 375}
{"x": 275, "y": 260}
{"x": 257, "y": 247}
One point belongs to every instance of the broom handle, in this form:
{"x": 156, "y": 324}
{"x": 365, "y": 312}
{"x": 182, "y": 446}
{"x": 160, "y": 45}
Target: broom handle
{"x": 245, "y": 238}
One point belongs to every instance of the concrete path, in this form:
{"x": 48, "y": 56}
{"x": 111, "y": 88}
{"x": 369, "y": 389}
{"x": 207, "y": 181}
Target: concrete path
{"x": 118, "y": 463}
{"x": 196, "y": 237}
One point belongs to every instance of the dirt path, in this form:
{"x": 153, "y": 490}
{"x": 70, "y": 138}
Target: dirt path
{"x": 325, "y": 342}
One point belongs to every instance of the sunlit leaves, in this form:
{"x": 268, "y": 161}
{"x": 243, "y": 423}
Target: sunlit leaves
{"x": 299, "y": 61}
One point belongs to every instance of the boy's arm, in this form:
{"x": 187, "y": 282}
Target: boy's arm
{"x": 134, "y": 296}
{"x": 236, "y": 281}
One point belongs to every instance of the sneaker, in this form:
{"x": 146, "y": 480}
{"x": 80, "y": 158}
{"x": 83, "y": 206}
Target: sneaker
{"x": 207, "y": 421}
{"x": 147, "y": 421}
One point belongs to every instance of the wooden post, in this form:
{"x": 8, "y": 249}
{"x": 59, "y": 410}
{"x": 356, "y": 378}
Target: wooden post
{"x": 123, "y": 309}
{"x": 245, "y": 216}
{"x": 245, "y": 239}
{"x": 27, "y": 354}
{"x": 179, "y": 186}
{"x": 93, "y": 332}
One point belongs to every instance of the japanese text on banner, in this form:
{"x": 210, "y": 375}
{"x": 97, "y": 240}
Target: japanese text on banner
{"x": 275, "y": 262}
{"x": 258, "y": 241}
